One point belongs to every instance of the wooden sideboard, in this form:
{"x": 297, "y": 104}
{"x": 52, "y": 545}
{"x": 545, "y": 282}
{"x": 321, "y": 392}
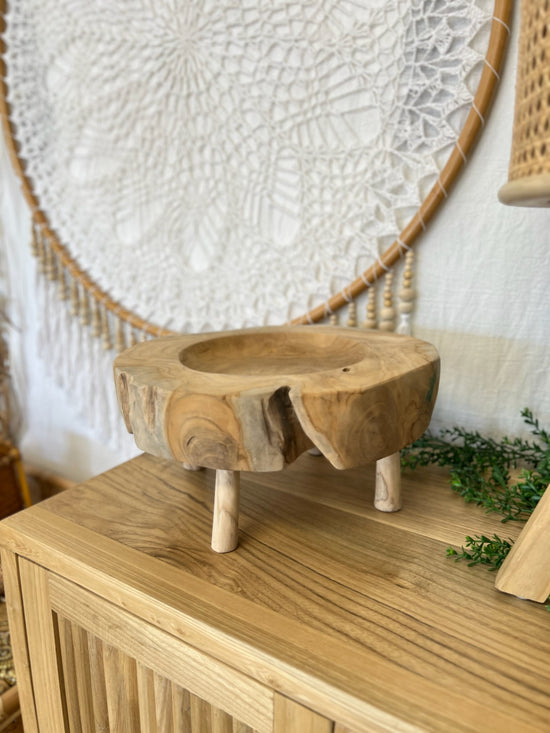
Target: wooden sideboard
{"x": 330, "y": 616}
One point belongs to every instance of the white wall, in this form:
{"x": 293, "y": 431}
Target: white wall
{"x": 483, "y": 300}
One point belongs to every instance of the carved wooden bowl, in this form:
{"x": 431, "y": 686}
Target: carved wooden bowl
{"x": 255, "y": 399}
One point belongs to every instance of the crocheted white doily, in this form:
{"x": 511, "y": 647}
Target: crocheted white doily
{"x": 217, "y": 164}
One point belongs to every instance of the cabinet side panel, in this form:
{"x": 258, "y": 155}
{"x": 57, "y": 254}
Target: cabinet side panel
{"x": 43, "y": 648}
{"x": 18, "y": 637}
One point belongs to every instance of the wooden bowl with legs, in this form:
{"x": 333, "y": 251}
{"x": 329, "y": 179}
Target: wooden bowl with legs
{"x": 256, "y": 399}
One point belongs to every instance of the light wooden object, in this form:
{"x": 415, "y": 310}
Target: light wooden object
{"x": 387, "y": 495}
{"x": 225, "y": 525}
{"x": 332, "y": 616}
{"x": 387, "y": 314}
{"x": 370, "y": 320}
{"x": 256, "y": 399}
{"x": 526, "y": 570}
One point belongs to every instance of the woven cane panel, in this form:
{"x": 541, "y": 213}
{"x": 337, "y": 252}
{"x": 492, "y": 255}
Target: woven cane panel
{"x": 531, "y": 140}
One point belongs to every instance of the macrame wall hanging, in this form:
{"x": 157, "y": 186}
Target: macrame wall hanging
{"x": 212, "y": 165}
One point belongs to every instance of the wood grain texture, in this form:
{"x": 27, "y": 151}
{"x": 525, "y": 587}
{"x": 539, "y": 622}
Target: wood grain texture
{"x": 163, "y": 702}
{"x": 18, "y": 636}
{"x": 69, "y": 665}
{"x": 387, "y": 492}
{"x": 83, "y": 680}
{"x": 97, "y": 679}
{"x": 526, "y": 570}
{"x": 122, "y": 690}
{"x": 43, "y": 648}
{"x": 256, "y": 399}
{"x": 181, "y": 709}
{"x": 167, "y": 657}
{"x": 290, "y": 717}
{"x": 225, "y": 525}
{"x": 350, "y": 612}
{"x": 146, "y": 699}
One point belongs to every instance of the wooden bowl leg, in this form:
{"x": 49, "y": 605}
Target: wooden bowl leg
{"x": 225, "y": 525}
{"x": 387, "y": 492}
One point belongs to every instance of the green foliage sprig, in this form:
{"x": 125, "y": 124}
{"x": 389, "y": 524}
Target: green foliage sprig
{"x": 482, "y": 550}
{"x": 480, "y": 472}
{"x": 480, "y": 467}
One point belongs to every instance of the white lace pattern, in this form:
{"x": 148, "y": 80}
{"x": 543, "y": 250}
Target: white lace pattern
{"x": 215, "y": 164}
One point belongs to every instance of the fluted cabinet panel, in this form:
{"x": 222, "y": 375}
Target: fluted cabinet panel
{"x": 107, "y": 691}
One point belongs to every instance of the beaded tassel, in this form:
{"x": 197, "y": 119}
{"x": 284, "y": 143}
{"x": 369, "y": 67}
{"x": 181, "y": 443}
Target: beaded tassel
{"x": 35, "y": 246}
{"x": 352, "y": 315}
{"x": 105, "y": 330}
{"x": 333, "y": 320}
{"x": 50, "y": 266}
{"x": 370, "y": 321}
{"x": 96, "y": 319}
{"x": 63, "y": 290}
{"x": 387, "y": 315}
{"x": 41, "y": 253}
{"x": 75, "y": 299}
{"x": 407, "y": 295}
{"x": 120, "y": 340}
{"x": 84, "y": 308}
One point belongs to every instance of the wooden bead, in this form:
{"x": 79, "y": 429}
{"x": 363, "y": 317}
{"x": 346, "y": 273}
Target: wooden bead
{"x": 407, "y": 294}
{"x": 352, "y": 315}
{"x": 333, "y": 320}
{"x": 387, "y": 314}
{"x": 370, "y": 321}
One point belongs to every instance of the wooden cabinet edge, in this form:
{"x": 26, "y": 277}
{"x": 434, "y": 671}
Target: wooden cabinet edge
{"x": 18, "y": 635}
{"x": 43, "y": 647}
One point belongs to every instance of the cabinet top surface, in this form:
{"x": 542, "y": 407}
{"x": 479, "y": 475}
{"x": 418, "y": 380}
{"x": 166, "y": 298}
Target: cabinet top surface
{"x": 323, "y": 592}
